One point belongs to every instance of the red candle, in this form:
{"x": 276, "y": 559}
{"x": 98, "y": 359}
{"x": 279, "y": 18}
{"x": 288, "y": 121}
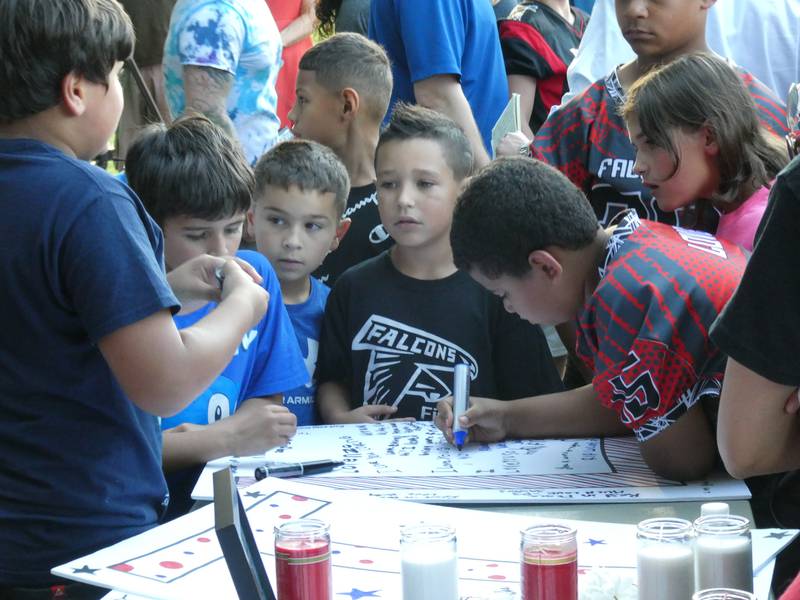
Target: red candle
{"x": 549, "y": 576}
{"x": 303, "y": 561}
{"x": 549, "y": 563}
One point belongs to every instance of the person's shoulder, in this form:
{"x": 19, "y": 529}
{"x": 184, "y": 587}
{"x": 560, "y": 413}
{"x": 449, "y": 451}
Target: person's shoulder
{"x": 790, "y": 175}
{"x": 79, "y": 182}
{"x": 366, "y": 270}
{"x": 256, "y": 259}
{"x": 581, "y": 18}
{"x": 524, "y": 12}
{"x": 365, "y": 278}
{"x": 360, "y": 196}
{"x": 696, "y": 261}
{"x": 260, "y": 263}
{"x": 587, "y": 100}
{"x": 319, "y": 291}
{"x": 753, "y": 83}
{"x": 190, "y": 14}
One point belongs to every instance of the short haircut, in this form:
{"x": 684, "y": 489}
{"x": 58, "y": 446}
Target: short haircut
{"x": 42, "y": 41}
{"x": 698, "y": 90}
{"x": 191, "y": 168}
{"x": 307, "y": 165}
{"x": 413, "y": 122}
{"x": 349, "y": 60}
{"x": 513, "y": 207}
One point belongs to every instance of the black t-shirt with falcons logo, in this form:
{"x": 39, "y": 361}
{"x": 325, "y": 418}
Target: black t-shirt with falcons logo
{"x": 394, "y": 340}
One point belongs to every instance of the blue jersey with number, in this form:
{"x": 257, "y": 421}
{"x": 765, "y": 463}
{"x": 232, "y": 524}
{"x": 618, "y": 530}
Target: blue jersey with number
{"x": 267, "y": 361}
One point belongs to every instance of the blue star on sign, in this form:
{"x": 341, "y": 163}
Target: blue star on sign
{"x": 592, "y": 542}
{"x": 85, "y": 569}
{"x": 355, "y": 593}
{"x": 779, "y": 535}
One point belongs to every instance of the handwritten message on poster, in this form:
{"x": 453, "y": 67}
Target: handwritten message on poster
{"x": 412, "y": 461}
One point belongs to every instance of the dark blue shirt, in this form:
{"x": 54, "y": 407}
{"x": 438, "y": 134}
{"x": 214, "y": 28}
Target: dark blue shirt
{"x": 80, "y": 464}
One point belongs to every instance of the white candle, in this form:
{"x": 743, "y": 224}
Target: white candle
{"x": 724, "y": 553}
{"x": 724, "y": 562}
{"x": 430, "y": 576}
{"x": 429, "y": 563}
{"x": 665, "y": 571}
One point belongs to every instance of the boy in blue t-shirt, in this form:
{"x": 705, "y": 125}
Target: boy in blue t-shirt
{"x": 89, "y": 353}
{"x": 195, "y": 182}
{"x": 301, "y": 191}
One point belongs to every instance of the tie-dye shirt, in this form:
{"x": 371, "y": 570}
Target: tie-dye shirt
{"x": 237, "y": 36}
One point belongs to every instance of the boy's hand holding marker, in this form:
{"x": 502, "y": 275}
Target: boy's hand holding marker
{"x": 460, "y": 403}
{"x": 484, "y": 421}
{"x": 199, "y": 280}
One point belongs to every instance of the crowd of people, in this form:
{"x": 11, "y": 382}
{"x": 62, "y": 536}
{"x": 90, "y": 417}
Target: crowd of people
{"x": 309, "y": 232}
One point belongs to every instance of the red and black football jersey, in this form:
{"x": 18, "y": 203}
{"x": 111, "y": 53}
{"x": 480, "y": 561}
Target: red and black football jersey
{"x": 539, "y": 43}
{"x": 587, "y": 141}
{"x": 644, "y": 330}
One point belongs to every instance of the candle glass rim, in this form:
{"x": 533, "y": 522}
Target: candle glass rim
{"x": 424, "y": 532}
{"x": 722, "y": 525}
{"x": 549, "y": 533}
{"x": 302, "y": 529}
{"x": 723, "y": 594}
{"x": 672, "y": 529}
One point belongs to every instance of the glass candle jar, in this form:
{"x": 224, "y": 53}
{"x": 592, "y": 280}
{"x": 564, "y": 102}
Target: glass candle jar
{"x": 714, "y": 508}
{"x": 723, "y": 594}
{"x": 303, "y": 560}
{"x": 723, "y": 553}
{"x": 549, "y": 563}
{"x": 429, "y": 562}
{"x": 665, "y": 559}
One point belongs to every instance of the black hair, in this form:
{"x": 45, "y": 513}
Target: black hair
{"x": 414, "y": 122}
{"x": 350, "y": 60}
{"x": 513, "y": 207}
{"x": 326, "y": 11}
{"x": 307, "y": 165}
{"x": 42, "y": 41}
{"x": 191, "y": 168}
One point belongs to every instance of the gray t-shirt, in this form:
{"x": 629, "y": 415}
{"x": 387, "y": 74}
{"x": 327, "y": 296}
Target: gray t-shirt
{"x": 353, "y": 15}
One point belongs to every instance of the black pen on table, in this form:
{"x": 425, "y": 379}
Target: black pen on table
{"x": 299, "y": 469}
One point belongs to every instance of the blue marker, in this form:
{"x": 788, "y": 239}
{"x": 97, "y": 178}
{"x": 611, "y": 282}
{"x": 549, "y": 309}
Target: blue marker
{"x": 460, "y": 402}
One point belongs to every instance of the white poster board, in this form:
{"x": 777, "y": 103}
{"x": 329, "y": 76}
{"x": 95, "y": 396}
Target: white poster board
{"x": 412, "y": 461}
{"x": 182, "y": 559}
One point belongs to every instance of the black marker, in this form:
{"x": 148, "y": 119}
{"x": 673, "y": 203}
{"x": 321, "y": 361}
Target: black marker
{"x": 311, "y": 467}
{"x": 220, "y": 276}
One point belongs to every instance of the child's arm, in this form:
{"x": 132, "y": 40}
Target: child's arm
{"x": 302, "y": 26}
{"x": 756, "y": 435}
{"x": 333, "y": 401}
{"x": 525, "y": 86}
{"x": 684, "y": 451}
{"x": 162, "y": 369}
{"x": 444, "y": 94}
{"x": 574, "y": 413}
{"x": 257, "y": 425}
{"x": 207, "y": 90}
